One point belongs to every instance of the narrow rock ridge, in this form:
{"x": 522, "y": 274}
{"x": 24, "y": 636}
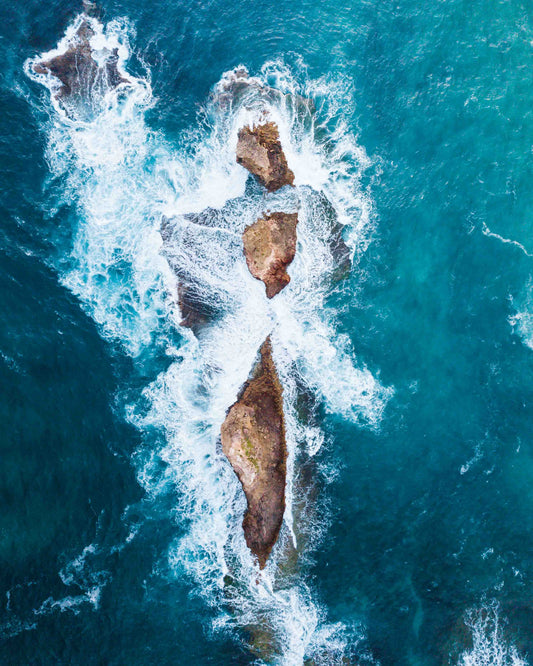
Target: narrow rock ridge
{"x": 253, "y": 434}
{"x": 253, "y": 440}
{"x": 259, "y": 150}
{"x": 269, "y": 247}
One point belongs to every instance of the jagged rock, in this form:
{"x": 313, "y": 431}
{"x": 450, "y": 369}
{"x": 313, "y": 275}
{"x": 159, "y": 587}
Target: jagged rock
{"x": 195, "y": 312}
{"x": 253, "y": 439}
{"x": 80, "y": 75}
{"x": 269, "y": 247}
{"x": 259, "y": 150}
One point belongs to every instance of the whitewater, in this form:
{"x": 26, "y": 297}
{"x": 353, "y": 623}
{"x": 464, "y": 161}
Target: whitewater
{"x": 124, "y": 182}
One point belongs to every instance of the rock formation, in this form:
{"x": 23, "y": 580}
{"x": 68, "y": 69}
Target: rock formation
{"x": 78, "y": 71}
{"x": 259, "y": 150}
{"x": 199, "y": 305}
{"x": 253, "y": 439}
{"x": 327, "y": 215}
{"x": 238, "y": 88}
{"x": 195, "y": 312}
{"x": 269, "y": 247}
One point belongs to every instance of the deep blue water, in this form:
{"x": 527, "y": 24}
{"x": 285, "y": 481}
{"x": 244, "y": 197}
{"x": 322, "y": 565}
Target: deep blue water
{"x": 118, "y": 515}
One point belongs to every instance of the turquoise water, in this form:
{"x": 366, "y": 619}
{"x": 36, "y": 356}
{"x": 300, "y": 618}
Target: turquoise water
{"x": 410, "y": 493}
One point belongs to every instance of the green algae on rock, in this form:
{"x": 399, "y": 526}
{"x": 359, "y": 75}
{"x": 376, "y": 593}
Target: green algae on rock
{"x": 253, "y": 440}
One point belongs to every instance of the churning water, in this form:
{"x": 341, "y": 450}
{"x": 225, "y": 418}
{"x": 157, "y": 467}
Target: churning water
{"x": 406, "y": 376}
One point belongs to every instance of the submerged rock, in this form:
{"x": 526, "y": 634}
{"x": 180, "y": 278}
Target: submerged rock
{"x": 269, "y": 247}
{"x": 199, "y": 304}
{"x": 259, "y": 150}
{"x": 82, "y": 77}
{"x": 196, "y": 313}
{"x": 341, "y": 253}
{"x": 253, "y": 440}
{"x": 238, "y": 88}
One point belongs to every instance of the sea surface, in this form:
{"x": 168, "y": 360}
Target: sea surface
{"x": 408, "y": 381}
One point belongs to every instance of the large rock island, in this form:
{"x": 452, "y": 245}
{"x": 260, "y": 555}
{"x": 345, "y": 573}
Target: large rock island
{"x": 253, "y": 439}
{"x": 259, "y": 150}
{"x": 269, "y": 247}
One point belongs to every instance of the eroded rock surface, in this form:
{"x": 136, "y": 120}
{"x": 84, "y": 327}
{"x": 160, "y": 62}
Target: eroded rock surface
{"x": 269, "y": 247}
{"x": 259, "y": 150}
{"x": 253, "y": 439}
{"x": 81, "y": 76}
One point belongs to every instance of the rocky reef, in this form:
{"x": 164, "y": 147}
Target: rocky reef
{"x": 269, "y": 247}
{"x": 82, "y": 78}
{"x": 253, "y": 440}
{"x": 253, "y": 432}
{"x": 259, "y": 150}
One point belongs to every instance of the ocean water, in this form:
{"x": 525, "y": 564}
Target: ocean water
{"x": 408, "y": 537}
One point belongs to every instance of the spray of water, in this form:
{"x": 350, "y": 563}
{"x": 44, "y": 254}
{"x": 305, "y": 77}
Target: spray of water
{"x": 124, "y": 180}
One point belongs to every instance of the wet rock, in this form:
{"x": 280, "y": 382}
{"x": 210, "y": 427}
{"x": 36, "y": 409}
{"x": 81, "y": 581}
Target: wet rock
{"x": 196, "y": 313}
{"x": 81, "y": 77}
{"x": 238, "y": 88}
{"x": 253, "y": 440}
{"x": 269, "y": 247}
{"x": 259, "y": 150}
{"x": 91, "y": 8}
{"x": 199, "y": 305}
{"x": 340, "y": 251}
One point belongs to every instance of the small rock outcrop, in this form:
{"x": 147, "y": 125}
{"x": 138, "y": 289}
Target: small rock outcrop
{"x": 195, "y": 313}
{"x": 269, "y": 247}
{"x": 259, "y": 150}
{"x": 78, "y": 71}
{"x": 238, "y": 88}
{"x": 199, "y": 305}
{"x": 253, "y": 440}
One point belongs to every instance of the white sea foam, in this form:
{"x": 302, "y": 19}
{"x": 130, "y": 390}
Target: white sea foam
{"x": 106, "y": 163}
{"x": 123, "y": 178}
{"x": 81, "y": 572}
{"x": 507, "y": 241}
{"x": 490, "y": 647}
{"x": 522, "y": 320}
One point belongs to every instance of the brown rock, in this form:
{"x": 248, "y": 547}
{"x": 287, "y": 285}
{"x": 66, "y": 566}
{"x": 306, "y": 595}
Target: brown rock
{"x": 79, "y": 73}
{"x": 259, "y": 150}
{"x": 253, "y": 439}
{"x": 269, "y": 247}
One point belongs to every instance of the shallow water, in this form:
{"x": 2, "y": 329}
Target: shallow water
{"x": 409, "y": 493}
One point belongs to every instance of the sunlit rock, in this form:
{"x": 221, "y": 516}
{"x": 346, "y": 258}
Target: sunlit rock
{"x": 269, "y": 247}
{"x": 253, "y": 439}
{"x": 259, "y": 151}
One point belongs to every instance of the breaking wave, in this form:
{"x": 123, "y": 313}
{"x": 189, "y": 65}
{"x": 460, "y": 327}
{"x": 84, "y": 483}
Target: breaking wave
{"x": 489, "y": 645}
{"x": 123, "y": 180}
